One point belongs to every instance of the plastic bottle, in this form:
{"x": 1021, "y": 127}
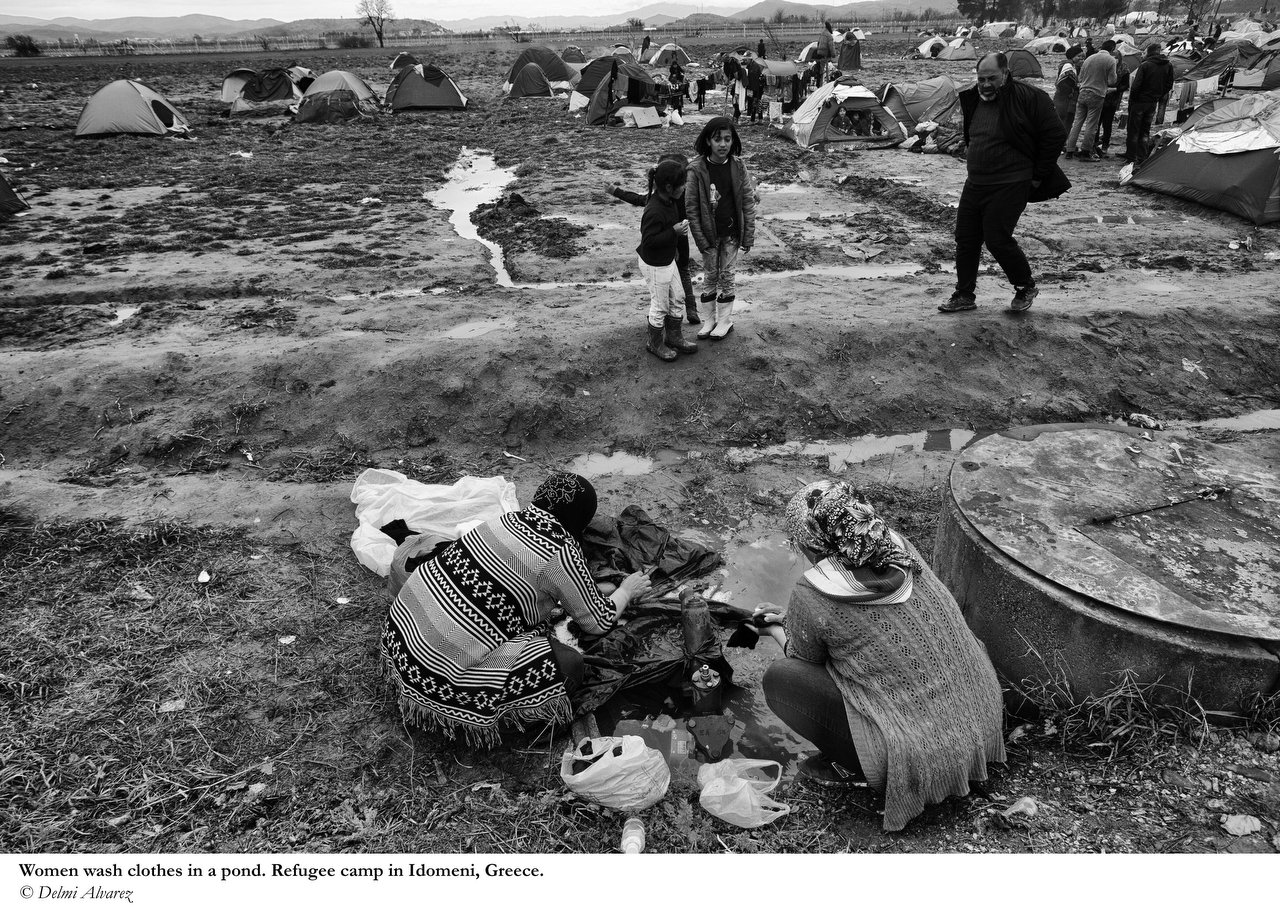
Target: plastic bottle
{"x": 632, "y": 837}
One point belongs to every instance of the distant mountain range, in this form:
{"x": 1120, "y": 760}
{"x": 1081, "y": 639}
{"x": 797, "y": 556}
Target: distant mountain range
{"x": 655, "y": 14}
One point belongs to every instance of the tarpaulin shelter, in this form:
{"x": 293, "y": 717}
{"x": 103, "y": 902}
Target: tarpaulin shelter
{"x": 572, "y": 54}
{"x": 1024, "y": 65}
{"x": 929, "y": 100}
{"x": 958, "y": 50}
{"x": 129, "y": 107}
{"x": 1228, "y": 159}
{"x": 849, "y": 56}
{"x": 932, "y": 47}
{"x": 844, "y": 112}
{"x": 424, "y": 86}
{"x": 668, "y": 53}
{"x": 10, "y": 201}
{"x": 1050, "y": 44}
{"x": 244, "y": 86}
{"x": 404, "y": 59}
{"x": 530, "y": 82}
{"x": 559, "y": 75}
{"x": 630, "y": 85}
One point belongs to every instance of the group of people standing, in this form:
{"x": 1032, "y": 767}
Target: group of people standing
{"x": 1090, "y": 88}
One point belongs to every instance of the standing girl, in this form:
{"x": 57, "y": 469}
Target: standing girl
{"x": 682, "y": 240}
{"x": 720, "y": 201}
{"x": 660, "y": 228}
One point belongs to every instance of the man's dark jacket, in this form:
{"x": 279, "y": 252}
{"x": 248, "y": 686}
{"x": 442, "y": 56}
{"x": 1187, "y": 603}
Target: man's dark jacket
{"x": 1029, "y": 123}
{"x": 1151, "y": 81}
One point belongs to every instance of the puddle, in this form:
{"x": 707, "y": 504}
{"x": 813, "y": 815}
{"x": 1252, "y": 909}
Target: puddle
{"x": 1267, "y": 419}
{"x": 619, "y": 462}
{"x": 847, "y": 272}
{"x": 475, "y": 328}
{"x": 802, "y": 215}
{"x": 847, "y": 453}
{"x": 123, "y": 313}
{"x": 475, "y": 179}
{"x": 385, "y": 295}
{"x": 1124, "y": 219}
{"x": 762, "y": 570}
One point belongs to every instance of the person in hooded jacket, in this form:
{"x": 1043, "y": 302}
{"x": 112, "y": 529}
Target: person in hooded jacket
{"x": 1151, "y": 84}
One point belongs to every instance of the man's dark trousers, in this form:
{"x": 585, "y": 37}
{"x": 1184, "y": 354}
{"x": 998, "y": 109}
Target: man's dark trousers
{"x": 989, "y": 214}
{"x": 1141, "y": 115}
{"x": 1109, "y": 110}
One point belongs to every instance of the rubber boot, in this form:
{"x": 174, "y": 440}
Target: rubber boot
{"x": 709, "y": 321}
{"x": 691, "y": 310}
{"x": 674, "y": 338}
{"x": 724, "y": 320}
{"x": 657, "y": 346}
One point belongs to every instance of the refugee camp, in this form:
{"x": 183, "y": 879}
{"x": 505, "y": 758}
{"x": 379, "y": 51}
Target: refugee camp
{"x": 581, "y": 429}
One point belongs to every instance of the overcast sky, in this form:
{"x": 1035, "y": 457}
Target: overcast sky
{"x": 288, "y": 10}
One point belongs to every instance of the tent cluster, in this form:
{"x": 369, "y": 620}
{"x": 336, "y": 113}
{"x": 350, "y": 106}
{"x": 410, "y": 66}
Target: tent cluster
{"x": 1227, "y": 155}
{"x": 539, "y": 71}
{"x": 1243, "y": 64}
{"x": 243, "y": 87}
{"x": 957, "y": 49}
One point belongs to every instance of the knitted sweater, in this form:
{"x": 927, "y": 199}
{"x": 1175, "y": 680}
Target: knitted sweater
{"x": 922, "y": 698}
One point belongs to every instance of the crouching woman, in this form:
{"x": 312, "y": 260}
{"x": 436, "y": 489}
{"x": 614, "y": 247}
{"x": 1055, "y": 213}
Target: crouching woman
{"x": 881, "y": 672}
{"x": 466, "y": 641}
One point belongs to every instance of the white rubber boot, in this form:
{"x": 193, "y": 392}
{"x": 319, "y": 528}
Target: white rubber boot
{"x": 724, "y": 320}
{"x": 710, "y": 309}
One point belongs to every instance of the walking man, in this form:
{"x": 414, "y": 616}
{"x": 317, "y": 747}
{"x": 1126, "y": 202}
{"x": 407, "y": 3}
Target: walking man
{"x": 1013, "y": 137}
{"x": 1152, "y": 83}
{"x": 824, "y": 52}
{"x": 1111, "y": 105}
{"x": 1097, "y": 76}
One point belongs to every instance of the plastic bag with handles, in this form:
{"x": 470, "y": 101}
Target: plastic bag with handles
{"x": 619, "y": 772}
{"x": 737, "y": 791}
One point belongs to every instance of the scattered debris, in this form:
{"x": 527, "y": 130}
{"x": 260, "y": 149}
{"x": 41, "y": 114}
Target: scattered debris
{"x": 287, "y": 639}
{"x": 173, "y": 705}
{"x": 1139, "y": 420}
{"x": 1023, "y": 807}
{"x": 1241, "y": 824}
{"x": 243, "y": 155}
{"x": 366, "y": 201}
{"x": 204, "y": 577}
{"x": 342, "y": 601}
{"x": 1193, "y": 367}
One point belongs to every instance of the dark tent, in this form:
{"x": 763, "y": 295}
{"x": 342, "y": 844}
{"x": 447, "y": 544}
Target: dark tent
{"x": 272, "y": 85}
{"x": 572, "y": 54}
{"x": 1253, "y": 68}
{"x": 1024, "y": 65}
{"x": 554, "y": 70}
{"x": 332, "y": 106}
{"x": 10, "y": 201}
{"x": 928, "y": 100}
{"x": 404, "y": 59}
{"x": 631, "y": 85}
{"x": 1228, "y": 159}
{"x": 423, "y": 86}
{"x": 593, "y": 73}
{"x": 530, "y": 81}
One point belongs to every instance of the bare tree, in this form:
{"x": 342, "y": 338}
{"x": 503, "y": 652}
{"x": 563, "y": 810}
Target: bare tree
{"x": 377, "y": 13}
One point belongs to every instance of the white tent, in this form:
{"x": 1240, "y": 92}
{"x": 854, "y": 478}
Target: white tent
{"x": 1048, "y": 44}
{"x": 1025, "y": 33}
{"x": 129, "y": 107}
{"x": 932, "y": 47}
{"x": 862, "y": 120}
{"x": 999, "y": 29}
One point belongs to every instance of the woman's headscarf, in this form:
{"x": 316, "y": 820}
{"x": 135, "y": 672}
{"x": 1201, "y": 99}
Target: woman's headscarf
{"x": 831, "y": 519}
{"x": 570, "y": 499}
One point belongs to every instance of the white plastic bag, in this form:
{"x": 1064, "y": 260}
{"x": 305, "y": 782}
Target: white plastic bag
{"x": 736, "y": 791}
{"x": 676, "y": 118}
{"x": 446, "y": 511}
{"x": 623, "y": 772}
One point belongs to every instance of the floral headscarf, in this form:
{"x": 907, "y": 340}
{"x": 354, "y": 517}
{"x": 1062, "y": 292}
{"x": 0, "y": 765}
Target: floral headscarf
{"x": 569, "y": 498}
{"x": 831, "y": 519}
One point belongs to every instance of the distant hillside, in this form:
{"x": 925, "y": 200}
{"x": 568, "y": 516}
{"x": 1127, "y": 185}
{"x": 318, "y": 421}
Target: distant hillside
{"x": 320, "y": 26}
{"x": 655, "y": 14}
{"x": 870, "y": 9}
{"x": 151, "y": 27}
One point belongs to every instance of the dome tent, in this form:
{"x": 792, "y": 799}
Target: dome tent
{"x": 1050, "y": 44}
{"x": 631, "y": 85}
{"x": 932, "y": 47}
{"x": 958, "y": 50}
{"x": 404, "y": 59}
{"x": 1024, "y": 65}
{"x": 668, "y": 53}
{"x": 1228, "y": 159}
{"x": 424, "y": 86}
{"x": 530, "y": 82}
{"x": 10, "y": 201}
{"x": 844, "y": 112}
{"x": 335, "y": 96}
{"x": 243, "y": 87}
{"x": 559, "y": 75}
{"x": 129, "y": 107}
{"x": 928, "y": 100}
{"x": 572, "y": 54}
{"x": 590, "y": 77}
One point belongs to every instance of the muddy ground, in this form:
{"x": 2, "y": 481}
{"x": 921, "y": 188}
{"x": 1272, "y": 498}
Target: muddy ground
{"x": 201, "y": 350}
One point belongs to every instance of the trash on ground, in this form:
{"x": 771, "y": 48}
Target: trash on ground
{"x": 370, "y": 201}
{"x": 243, "y": 155}
{"x": 173, "y": 705}
{"x": 1241, "y": 824}
{"x": 1193, "y": 367}
{"x": 288, "y": 639}
{"x": 1023, "y": 807}
{"x": 1139, "y": 420}
{"x": 204, "y": 577}
{"x": 617, "y": 772}
{"x": 737, "y": 791}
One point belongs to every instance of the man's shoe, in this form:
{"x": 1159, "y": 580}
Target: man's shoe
{"x": 1070, "y": 154}
{"x": 825, "y": 773}
{"x": 959, "y": 303}
{"x": 1023, "y": 297}
{"x": 657, "y": 346}
{"x": 1089, "y": 158}
{"x": 674, "y": 338}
